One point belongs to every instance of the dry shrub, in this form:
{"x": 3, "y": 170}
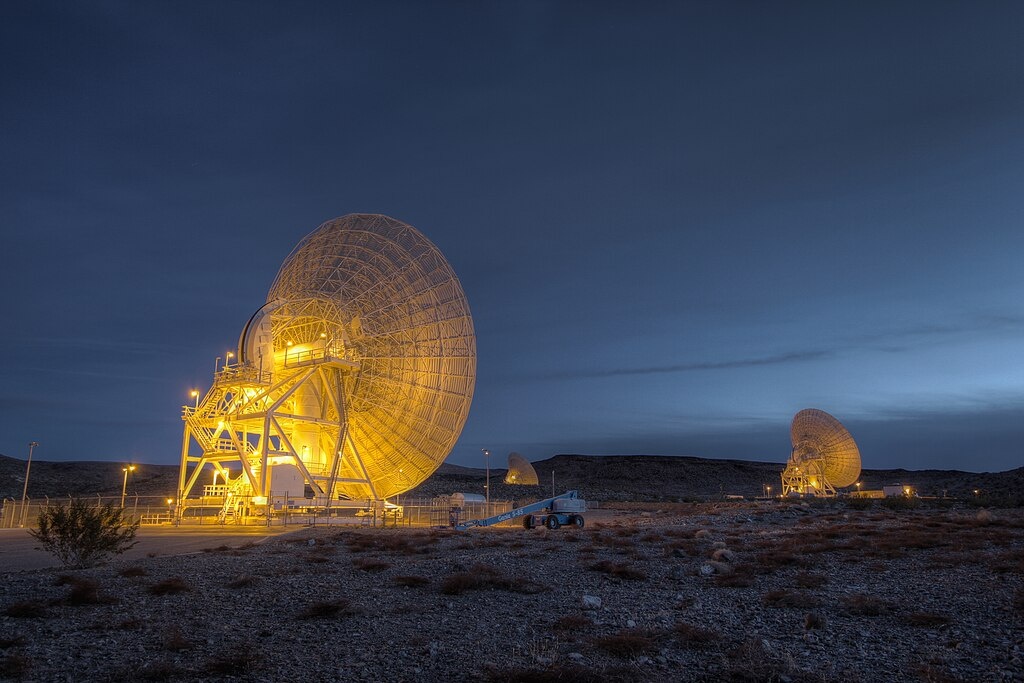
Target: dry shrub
{"x": 619, "y": 570}
{"x": 457, "y": 584}
{"x": 26, "y": 609}
{"x": 170, "y": 586}
{"x": 557, "y": 673}
{"x": 237, "y": 661}
{"x": 242, "y": 581}
{"x": 690, "y": 635}
{"x": 14, "y": 666}
{"x": 370, "y": 564}
{"x": 864, "y": 605}
{"x": 218, "y": 549}
{"x": 629, "y": 642}
{"x": 159, "y": 670}
{"x": 753, "y": 661}
{"x": 175, "y": 641}
{"x": 1018, "y": 601}
{"x": 327, "y": 609}
{"x": 410, "y": 581}
{"x": 809, "y": 580}
{"x": 742, "y": 576}
{"x": 572, "y": 622}
{"x": 132, "y": 572}
{"x": 86, "y": 591}
{"x": 813, "y": 620}
{"x": 16, "y": 641}
{"x": 391, "y": 541}
{"x": 785, "y": 598}
{"x": 483, "y": 576}
{"x": 926, "y": 619}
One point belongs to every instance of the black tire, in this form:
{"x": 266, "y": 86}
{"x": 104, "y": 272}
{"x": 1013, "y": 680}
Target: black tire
{"x": 552, "y": 522}
{"x": 528, "y": 522}
{"x": 578, "y": 521}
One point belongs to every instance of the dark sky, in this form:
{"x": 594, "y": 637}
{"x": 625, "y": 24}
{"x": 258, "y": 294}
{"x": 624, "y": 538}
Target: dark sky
{"x": 677, "y": 223}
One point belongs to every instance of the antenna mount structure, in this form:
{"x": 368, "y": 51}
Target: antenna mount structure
{"x": 824, "y": 456}
{"x": 352, "y": 381}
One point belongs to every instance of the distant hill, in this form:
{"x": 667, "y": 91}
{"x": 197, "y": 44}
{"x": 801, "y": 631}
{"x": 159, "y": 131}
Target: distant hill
{"x": 605, "y": 477}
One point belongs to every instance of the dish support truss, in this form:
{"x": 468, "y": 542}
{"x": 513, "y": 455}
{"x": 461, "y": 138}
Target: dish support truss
{"x": 249, "y": 418}
{"x": 806, "y": 478}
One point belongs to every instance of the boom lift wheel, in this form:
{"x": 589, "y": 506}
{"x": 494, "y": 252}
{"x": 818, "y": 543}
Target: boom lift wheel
{"x": 578, "y": 521}
{"x": 552, "y": 522}
{"x": 528, "y": 521}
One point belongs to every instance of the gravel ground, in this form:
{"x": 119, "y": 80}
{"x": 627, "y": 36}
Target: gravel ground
{"x": 748, "y": 592}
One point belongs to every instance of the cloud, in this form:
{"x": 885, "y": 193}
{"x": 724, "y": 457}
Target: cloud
{"x": 794, "y": 357}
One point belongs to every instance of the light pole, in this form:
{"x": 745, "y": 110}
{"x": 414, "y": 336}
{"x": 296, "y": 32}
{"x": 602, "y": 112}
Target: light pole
{"x": 216, "y": 365}
{"x": 195, "y": 394}
{"x": 124, "y": 486}
{"x": 768, "y": 491}
{"x": 227, "y": 358}
{"x": 24, "y": 492}
{"x": 487, "y": 486}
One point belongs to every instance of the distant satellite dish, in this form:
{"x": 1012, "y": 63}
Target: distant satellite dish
{"x": 824, "y": 457}
{"x": 520, "y": 471}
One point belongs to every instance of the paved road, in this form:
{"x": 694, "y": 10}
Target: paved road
{"x": 18, "y": 549}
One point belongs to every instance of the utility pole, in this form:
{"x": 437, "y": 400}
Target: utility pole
{"x": 24, "y": 492}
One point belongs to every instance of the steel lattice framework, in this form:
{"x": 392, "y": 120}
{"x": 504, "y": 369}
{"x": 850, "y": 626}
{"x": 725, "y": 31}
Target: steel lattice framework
{"x": 358, "y": 370}
{"x": 520, "y": 471}
{"x": 824, "y": 457}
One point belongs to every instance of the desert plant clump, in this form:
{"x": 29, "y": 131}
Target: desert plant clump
{"x": 619, "y": 570}
{"x": 410, "y": 581}
{"x": 865, "y": 605}
{"x": 690, "y": 635}
{"x": 26, "y": 609}
{"x": 16, "y": 641}
{"x": 239, "y": 660}
{"x": 132, "y": 572}
{"x": 81, "y": 534}
{"x": 785, "y": 598}
{"x": 628, "y": 642}
{"x": 175, "y": 584}
{"x": 326, "y": 609}
{"x": 242, "y": 581}
{"x": 86, "y": 591}
{"x": 14, "y": 666}
{"x": 926, "y": 619}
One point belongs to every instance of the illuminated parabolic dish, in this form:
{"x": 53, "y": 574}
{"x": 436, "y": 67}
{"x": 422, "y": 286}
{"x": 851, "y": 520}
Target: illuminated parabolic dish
{"x": 824, "y": 456}
{"x": 520, "y": 471}
{"x": 353, "y": 379}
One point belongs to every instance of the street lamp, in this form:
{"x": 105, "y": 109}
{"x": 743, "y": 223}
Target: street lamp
{"x": 487, "y": 486}
{"x": 195, "y": 394}
{"x": 227, "y": 358}
{"x": 769, "y": 491}
{"x": 124, "y": 486}
{"x": 24, "y": 492}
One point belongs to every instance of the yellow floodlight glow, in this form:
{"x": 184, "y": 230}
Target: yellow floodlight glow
{"x": 259, "y": 500}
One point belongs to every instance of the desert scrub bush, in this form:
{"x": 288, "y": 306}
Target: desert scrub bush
{"x": 926, "y": 619}
{"x": 785, "y": 598}
{"x": 131, "y": 572}
{"x": 81, "y": 534}
{"x": 237, "y": 661}
{"x": 16, "y": 641}
{"x": 242, "y": 581}
{"x": 410, "y": 581}
{"x": 572, "y": 622}
{"x": 810, "y": 580}
{"x": 175, "y": 641}
{"x": 370, "y": 564}
{"x": 864, "y": 605}
{"x": 693, "y": 636}
{"x": 26, "y": 609}
{"x": 327, "y": 609}
{"x": 619, "y": 570}
{"x": 14, "y": 666}
{"x": 175, "y": 584}
{"x": 85, "y": 591}
{"x": 629, "y": 642}
{"x": 482, "y": 576}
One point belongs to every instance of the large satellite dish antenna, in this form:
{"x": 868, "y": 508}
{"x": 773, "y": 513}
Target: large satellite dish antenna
{"x": 824, "y": 457}
{"x": 520, "y": 471}
{"x": 354, "y": 379}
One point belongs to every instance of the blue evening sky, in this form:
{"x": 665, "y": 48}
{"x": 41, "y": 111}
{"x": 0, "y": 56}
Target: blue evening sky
{"x": 677, "y": 223}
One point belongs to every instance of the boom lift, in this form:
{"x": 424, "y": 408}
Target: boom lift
{"x": 555, "y": 512}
